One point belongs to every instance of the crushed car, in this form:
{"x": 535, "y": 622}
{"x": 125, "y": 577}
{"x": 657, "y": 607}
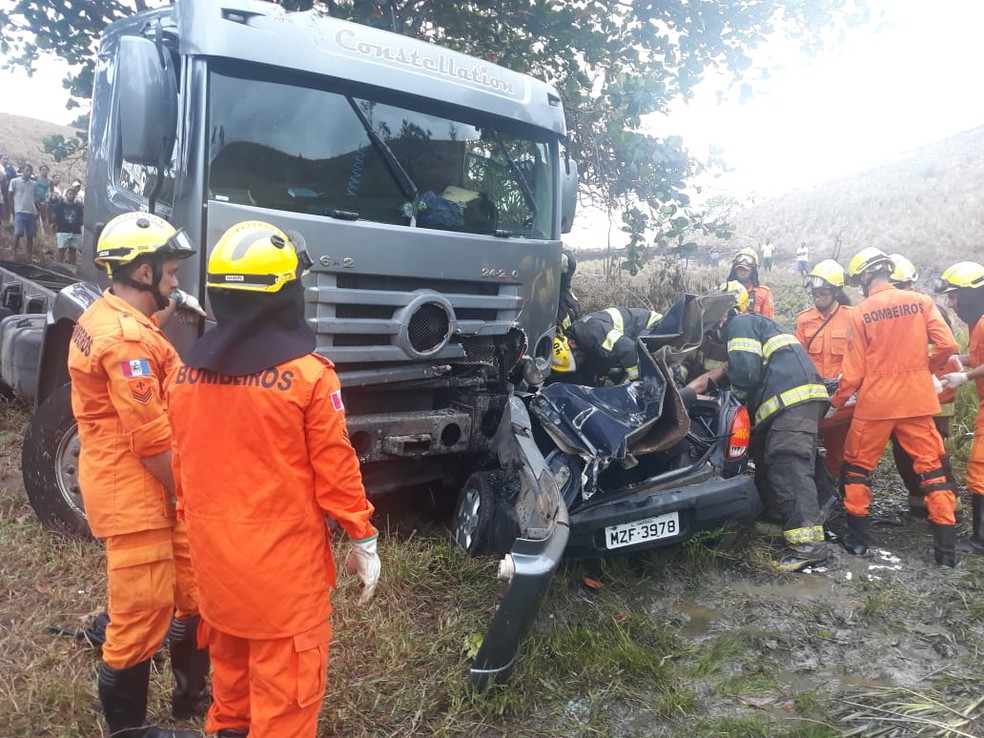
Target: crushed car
{"x": 636, "y": 467}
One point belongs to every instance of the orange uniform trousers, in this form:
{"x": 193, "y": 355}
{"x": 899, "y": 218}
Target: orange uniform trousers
{"x": 975, "y": 464}
{"x": 922, "y": 442}
{"x": 834, "y": 438}
{"x": 274, "y": 687}
{"x": 150, "y": 579}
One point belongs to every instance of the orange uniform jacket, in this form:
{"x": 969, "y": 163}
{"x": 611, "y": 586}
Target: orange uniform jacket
{"x": 976, "y": 351}
{"x": 886, "y": 362}
{"x": 760, "y": 301}
{"x": 118, "y": 359}
{"x": 828, "y": 347}
{"x": 259, "y": 460}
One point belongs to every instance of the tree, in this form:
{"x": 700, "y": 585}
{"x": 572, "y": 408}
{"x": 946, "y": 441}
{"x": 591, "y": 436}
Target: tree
{"x": 614, "y": 63}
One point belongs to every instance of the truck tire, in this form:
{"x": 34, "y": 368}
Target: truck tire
{"x": 50, "y": 465}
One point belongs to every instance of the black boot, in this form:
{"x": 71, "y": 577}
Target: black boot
{"x": 123, "y": 694}
{"x": 855, "y": 540}
{"x": 974, "y": 544}
{"x": 917, "y": 506}
{"x": 802, "y": 556}
{"x": 189, "y": 664}
{"x": 944, "y": 544}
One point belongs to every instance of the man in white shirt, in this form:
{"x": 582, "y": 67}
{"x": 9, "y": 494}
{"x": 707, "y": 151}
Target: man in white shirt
{"x": 22, "y": 193}
{"x": 803, "y": 260}
{"x": 768, "y": 250}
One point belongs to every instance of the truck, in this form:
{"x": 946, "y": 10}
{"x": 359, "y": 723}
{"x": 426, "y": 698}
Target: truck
{"x": 432, "y": 190}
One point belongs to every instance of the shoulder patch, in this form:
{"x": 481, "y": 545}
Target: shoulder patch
{"x": 136, "y": 368}
{"x": 140, "y": 390}
{"x": 336, "y": 400}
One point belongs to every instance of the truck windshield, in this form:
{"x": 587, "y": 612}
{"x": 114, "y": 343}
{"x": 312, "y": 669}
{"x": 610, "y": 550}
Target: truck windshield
{"x": 285, "y": 146}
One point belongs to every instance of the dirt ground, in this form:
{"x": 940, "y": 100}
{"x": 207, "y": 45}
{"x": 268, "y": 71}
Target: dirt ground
{"x": 885, "y": 644}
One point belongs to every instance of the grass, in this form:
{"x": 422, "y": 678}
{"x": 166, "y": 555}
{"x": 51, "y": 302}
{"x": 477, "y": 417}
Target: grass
{"x": 697, "y": 640}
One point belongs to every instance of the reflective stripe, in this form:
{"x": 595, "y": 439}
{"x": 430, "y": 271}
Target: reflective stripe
{"x": 617, "y": 331}
{"x": 813, "y": 534}
{"x": 632, "y": 373}
{"x": 777, "y": 342}
{"x": 616, "y": 316}
{"x": 750, "y": 345}
{"x": 609, "y": 343}
{"x": 653, "y": 317}
{"x": 803, "y": 393}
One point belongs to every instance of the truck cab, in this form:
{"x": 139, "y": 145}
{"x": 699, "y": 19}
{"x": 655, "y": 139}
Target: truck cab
{"x": 431, "y": 190}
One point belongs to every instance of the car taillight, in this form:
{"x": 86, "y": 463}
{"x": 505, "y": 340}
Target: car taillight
{"x": 739, "y": 434}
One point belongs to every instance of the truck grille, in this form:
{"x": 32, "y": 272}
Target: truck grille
{"x": 363, "y": 320}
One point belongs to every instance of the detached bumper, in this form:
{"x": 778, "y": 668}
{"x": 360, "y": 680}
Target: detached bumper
{"x": 702, "y": 504}
{"x": 533, "y": 564}
{"x": 525, "y": 572}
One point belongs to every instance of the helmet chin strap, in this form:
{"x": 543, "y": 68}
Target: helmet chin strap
{"x": 154, "y": 288}
{"x": 866, "y": 282}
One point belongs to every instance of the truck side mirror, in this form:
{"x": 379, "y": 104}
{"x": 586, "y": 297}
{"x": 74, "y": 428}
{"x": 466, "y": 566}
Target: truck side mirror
{"x": 568, "y": 194}
{"x": 147, "y": 101}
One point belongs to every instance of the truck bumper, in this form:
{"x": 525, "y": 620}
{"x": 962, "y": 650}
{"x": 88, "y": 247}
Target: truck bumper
{"x": 701, "y": 504}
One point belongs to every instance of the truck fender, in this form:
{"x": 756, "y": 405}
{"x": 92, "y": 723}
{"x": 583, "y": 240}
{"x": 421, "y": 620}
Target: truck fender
{"x": 69, "y": 304}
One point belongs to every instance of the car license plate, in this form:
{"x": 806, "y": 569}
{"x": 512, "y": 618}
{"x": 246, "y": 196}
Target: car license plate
{"x": 650, "y": 529}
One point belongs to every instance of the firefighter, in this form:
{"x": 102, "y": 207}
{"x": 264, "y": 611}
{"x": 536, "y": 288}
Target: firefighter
{"x": 963, "y": 285}
{"x": 904, "y": 277}
{"x": 770, "y": 370}
{"x": 745, "y": 270}
{"x": 262, "y": 456}
{"x": 601, "y": 346}
{"x": 888, "y": 367}
{"x": 118, "y": 360}
{"x": 822, "y": 329}
{"x": 569, "y": 308}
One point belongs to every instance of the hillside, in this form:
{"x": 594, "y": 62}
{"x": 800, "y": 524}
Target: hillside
{"x": 20, "y": 139}
{"x": 928, "y": 205}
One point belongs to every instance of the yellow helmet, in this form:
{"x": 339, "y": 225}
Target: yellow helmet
{"x": 904, "y": 272}
{"x": 869, "y": 260}
{"x": 826, "y": 274}
{"x": 962, "y": 274}
{"x": 737, "y": 289}
{"x": 562, "y": 358}
{"x": 254, "y": 256}
{"x": 131, "y": 235}
{"x": 746, "y": 257}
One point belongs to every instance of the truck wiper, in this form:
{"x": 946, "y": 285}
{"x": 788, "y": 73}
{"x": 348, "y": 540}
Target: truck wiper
{"x": 523, "y": 184}
{"x": 392, "y": 163}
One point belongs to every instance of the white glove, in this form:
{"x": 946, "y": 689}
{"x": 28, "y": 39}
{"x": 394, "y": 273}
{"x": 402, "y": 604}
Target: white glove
{"x": 185, "y": 301}
{"x": 831, "y": 412}
{"x": 954, "y": 379}
{"x": 852, "y": 400}
{"x": 937, "y": 384}
{"x": 364, "y": 561}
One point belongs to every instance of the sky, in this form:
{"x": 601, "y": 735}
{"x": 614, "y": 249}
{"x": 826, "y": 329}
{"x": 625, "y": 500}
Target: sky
{"x": 903, "y": 81}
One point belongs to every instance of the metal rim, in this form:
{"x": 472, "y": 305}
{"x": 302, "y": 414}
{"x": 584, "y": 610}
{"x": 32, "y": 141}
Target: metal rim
{"x": 466, "y": 520}
{"x": 67, "y": 470}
